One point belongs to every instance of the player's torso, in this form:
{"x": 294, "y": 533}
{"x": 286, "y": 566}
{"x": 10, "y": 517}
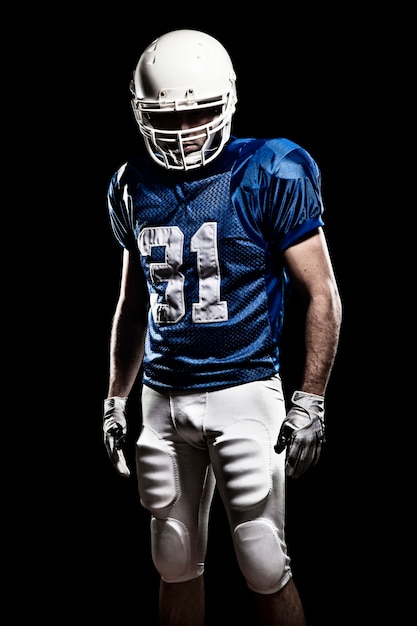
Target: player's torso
{"x": 210, "y": 319}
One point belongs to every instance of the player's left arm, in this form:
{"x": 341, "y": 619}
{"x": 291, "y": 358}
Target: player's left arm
{"x": 309, "y": 265}
{"x": 302, "y": 434}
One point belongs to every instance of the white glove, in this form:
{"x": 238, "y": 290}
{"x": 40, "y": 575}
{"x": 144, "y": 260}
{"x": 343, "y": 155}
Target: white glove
{"x": 302, "y": 433}
{"x": 115, "y": 429}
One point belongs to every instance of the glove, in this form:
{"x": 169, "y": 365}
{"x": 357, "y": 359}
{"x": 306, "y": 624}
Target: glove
{"x": 115, "y": 429}
{"x": 302, "y": 433}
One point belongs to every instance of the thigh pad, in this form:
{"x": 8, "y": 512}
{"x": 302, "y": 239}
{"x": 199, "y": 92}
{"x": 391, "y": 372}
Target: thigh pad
{"x": 156, "y": 471}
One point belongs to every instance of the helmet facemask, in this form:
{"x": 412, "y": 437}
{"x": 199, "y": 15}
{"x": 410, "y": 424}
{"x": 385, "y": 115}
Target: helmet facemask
{"x": 167, "y": 146}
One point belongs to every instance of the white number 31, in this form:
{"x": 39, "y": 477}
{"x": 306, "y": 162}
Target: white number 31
{"x": 209, "y": 307}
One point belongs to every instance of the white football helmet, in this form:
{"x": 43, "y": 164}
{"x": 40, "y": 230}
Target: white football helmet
{"x": 183, "y": 71}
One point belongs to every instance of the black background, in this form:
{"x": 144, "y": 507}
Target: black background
{"x": 85, "y": 547}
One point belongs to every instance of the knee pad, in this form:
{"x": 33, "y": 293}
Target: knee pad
{"x": 262, "y": 556}
{"x": 171, "y": 553}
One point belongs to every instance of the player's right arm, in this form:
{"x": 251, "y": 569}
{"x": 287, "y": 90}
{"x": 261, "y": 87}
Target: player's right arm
{"x": 128, "y": 327}
{"x": 126, "y": 354}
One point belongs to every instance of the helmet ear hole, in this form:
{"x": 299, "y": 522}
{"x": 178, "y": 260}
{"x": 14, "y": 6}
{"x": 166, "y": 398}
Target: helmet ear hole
{"x": 184, "y": 71}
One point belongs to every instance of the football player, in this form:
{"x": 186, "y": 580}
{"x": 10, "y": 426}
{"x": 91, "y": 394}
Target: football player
{"x": 215, "y": 231}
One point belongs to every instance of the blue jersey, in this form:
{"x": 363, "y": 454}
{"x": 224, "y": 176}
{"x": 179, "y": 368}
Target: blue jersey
{"x": 210, "y": 244}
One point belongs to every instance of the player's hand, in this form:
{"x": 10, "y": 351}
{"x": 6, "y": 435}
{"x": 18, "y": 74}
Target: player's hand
{"x": 115, "y": 429}
{"x": 302, "y": 433}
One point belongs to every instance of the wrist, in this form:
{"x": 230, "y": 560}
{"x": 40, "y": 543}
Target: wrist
{"x": 306, "y": 394}
{"x": 112, "y": 402}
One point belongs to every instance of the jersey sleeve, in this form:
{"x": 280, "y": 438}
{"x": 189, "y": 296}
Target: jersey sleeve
{"x": 277, "y": 189}
{"x": 296, "y": 204}
{"x": 120, "y": 207}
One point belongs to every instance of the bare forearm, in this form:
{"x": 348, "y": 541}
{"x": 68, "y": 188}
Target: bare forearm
{"x": 323, "y": 322}
{"x": 126, "y": 354}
